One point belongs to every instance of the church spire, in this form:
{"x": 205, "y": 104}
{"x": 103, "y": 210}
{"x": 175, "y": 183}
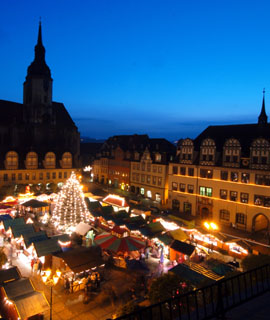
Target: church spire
{"x": 38, "y": 82}
{"x": 262, "y": 119}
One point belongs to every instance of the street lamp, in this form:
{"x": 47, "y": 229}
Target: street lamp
{"x": 50, "y": 280}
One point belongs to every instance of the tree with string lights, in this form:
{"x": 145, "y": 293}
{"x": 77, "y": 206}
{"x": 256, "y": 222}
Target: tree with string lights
{"x": 70, "y": 208}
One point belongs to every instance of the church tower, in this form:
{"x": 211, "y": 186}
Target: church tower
{"x": 262, "y": 119}
{"x": 37, "y": 88}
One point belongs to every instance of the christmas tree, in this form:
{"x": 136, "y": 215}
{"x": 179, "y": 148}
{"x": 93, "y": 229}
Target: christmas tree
{"x": 70, "y": 207}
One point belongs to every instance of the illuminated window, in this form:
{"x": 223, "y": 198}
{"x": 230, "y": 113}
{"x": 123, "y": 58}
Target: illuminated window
{"x": 158, "y": 157}
{"x": 224, "y": 215}
{"x": 223, "y": 194}
{"x": 143, "y": 177}
{"x": 159, "y": 181}
{"x": 148, "y": 179}
{"x": 234, "y": 176}
{"x": 182, "y": 187}
{"x": 244, "y": 197}
{"x": 205, "y": 191}
{"x": 233, "y": 195}
{"x": 174, "y": 186}
{"x": 159, "y": 169}
{"x": 205, "y": 173}
{"x": 245, "y": 178}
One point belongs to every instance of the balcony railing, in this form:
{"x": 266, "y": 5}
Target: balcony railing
{"x": 211, "y": 301}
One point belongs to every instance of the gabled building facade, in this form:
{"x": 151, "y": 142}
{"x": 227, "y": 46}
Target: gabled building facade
{"x": 223, "y": 175}
{"x": 149, "y": 170}
{"x": 39, "y": 142}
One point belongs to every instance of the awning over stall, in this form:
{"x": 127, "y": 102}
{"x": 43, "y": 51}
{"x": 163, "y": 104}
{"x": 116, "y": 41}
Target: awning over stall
{"x": 12, "y": 222}
{"x": 33, "y": 203}
{"x": 18, "y": 230}
{"x": 182, "y": 247}
{"x": 28, "y": 302}
{"x": 46, "y": 247}
{"x": 11, "y": 274}
{"x": 30, "y": 238}
{"x": 82, "y": 259}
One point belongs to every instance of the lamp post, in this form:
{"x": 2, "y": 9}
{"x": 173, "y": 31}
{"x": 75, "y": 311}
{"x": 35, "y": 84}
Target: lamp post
{"x": 50, "y": 280}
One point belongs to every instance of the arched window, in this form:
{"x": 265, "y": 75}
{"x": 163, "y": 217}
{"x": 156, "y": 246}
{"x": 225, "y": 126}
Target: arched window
{"x": 66, "y": 160}
{"x": 31, "y": 160}
{"x": 231, "y": 153}
{"x": 12, "y": 160}
{"x": 49, "y": 161}
{"x": 207, "y": 152}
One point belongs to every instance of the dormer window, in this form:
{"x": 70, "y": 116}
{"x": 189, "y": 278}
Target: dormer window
{"x": 49, "y": 162}
{"x": 12, "y": 160}
{"x": 208, "y": 150}
{"x": 259, "y": 154}
{"x": 31, "y": 160}
{"x": 231, "y": 153}
{"x": 66, "y": 161}
{"x": 185, "y": 151}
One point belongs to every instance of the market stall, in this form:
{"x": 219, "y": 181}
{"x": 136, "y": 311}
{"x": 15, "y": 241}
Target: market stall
{"x": 79, "y": 266}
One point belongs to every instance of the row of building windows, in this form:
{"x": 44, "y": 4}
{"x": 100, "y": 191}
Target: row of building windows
{"x": 146, "y": 166}
{"x": 259, "y": 200}
{"x": 33, "y": 176}
{"x": 31, "y": 161}
{"x": 240, "y": 218}
{"x": 118, "y": 173}
{"x": 183, "y": 171}
{"x": 147, "y": 179}
{"x": 233, "y": 176}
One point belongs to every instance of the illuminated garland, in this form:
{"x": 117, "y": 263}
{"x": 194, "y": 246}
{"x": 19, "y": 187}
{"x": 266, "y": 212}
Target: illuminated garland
{"x": 70, "y": 207}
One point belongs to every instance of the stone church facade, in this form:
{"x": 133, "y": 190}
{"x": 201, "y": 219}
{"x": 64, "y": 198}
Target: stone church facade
{"x": 39, "y": 142}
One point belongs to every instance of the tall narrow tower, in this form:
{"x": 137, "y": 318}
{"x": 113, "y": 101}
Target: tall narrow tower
{"x": 37, "y": 88}
{"x": 262, "y": 119}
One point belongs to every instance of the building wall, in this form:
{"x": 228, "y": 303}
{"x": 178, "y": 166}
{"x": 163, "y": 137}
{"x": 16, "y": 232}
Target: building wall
{"x": 152, "y": 178}
{"x": 253, "y": 208}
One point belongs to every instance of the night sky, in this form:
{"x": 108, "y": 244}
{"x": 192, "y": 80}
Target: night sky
{"x": 168, "y": 68}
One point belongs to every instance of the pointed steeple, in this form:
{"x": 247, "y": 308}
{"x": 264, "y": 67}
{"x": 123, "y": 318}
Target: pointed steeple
{"x": 262, "y": 119}
{"x": 39, "y": 48}
{"x": 38, "y": 82}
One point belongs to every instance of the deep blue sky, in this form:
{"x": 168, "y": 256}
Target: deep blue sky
{"x": 168, "y": 68}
